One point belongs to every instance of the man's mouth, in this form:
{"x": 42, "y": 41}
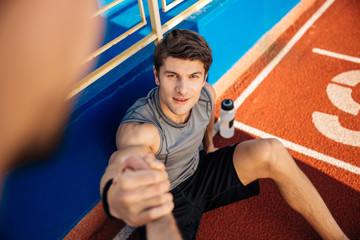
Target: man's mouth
{"x": 181, "y": 100}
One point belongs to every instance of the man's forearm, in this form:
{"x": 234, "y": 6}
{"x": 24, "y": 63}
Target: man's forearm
{"x": 163, "y": 228}
{"x": 208, "y": 137}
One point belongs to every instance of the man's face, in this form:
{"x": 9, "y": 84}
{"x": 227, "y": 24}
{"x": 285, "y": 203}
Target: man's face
{"x": 180, "y": 84}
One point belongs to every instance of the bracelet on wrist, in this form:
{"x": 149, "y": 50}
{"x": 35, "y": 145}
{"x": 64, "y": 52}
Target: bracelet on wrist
{"x": 104, "y": 198}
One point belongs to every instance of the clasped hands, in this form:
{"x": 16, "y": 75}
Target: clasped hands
{"x": 140, "y": 191}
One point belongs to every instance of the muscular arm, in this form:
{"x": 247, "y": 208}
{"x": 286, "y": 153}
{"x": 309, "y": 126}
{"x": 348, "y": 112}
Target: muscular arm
{"x": 140, "y": 196}
{"x": 208, "y": 136}
{"x": 132, "y": 139}
{"x": 137, "y": 196}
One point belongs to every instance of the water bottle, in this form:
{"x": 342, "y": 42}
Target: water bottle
{"x": 227, "y": 115}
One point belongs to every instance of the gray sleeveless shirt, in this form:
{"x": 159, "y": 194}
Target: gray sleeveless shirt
{"x": 180, "y": 143}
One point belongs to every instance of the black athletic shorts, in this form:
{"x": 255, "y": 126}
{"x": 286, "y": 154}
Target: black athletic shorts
{"x": 214, "y": 184}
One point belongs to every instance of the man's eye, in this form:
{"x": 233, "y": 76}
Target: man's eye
{"x": 171, "y": 75}
{"x": 194, "y": 76}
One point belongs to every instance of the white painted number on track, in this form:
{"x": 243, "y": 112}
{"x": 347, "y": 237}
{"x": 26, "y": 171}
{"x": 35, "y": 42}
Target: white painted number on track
{"x": 340, "y": 96}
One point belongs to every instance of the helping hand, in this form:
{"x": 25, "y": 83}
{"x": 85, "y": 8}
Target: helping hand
{"x": 140, "y": 194}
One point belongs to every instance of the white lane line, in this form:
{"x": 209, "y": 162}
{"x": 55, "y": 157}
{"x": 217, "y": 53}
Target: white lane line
{"x": 125, "y": 233}
{"x": 300, "y": 149}
{"x": 336, "y": 55}
{"x": 265, "y": 72}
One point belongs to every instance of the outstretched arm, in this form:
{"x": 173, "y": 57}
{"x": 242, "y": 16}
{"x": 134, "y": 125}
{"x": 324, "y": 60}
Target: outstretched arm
{"x": 140, "y": 195}
{"x": 139, "y": 192}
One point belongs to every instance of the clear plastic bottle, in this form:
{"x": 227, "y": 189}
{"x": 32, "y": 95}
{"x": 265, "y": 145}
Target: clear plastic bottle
{"x": 227, "y": 115}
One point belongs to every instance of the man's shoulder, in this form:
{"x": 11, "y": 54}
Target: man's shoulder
{"x": 143, "y": 110}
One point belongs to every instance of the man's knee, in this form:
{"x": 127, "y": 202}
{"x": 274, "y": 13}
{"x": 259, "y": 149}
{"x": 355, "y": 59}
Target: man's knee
{"x": 271, "y": 147}
{"x": 279, "y": 160}
{"x": 261, "y": 158}
{"x": 265, "y": 149}
{"x": 260, "y": 153}
{"x": 275, "y": 146}
{"x": 270, "y": 155}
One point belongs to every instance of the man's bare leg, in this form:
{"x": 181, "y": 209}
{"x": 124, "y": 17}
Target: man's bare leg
{"x": 268, "y": 158}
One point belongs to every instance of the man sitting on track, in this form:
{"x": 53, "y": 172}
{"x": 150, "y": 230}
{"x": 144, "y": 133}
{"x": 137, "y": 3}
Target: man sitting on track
{"x": 175, "y": 123}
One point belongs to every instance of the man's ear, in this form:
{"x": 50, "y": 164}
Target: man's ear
{"x": 157, "y": 81}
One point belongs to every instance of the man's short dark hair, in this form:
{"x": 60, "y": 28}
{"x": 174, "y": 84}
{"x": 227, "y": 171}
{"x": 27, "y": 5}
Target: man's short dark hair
{"x": 183, "y": 44}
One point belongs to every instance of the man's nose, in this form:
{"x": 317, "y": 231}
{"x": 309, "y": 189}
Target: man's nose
{"x": 181, "y": 86}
